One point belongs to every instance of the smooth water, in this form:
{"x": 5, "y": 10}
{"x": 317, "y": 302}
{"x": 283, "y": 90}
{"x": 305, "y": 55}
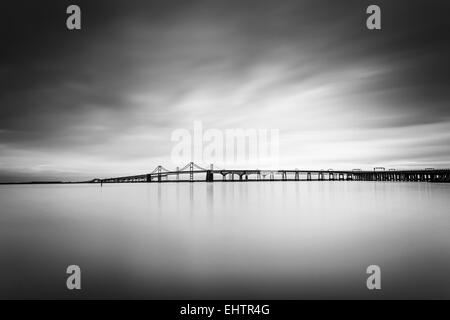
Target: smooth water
{"x": 226, "y": 240}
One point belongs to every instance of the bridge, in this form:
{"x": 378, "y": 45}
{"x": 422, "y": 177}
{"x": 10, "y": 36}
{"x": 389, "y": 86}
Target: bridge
{"x": 195, "y": 173}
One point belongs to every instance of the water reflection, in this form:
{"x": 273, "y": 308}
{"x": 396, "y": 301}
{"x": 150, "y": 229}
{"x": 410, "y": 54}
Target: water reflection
{"x": 210, "y": 198}
{"x": 226, "y": 240}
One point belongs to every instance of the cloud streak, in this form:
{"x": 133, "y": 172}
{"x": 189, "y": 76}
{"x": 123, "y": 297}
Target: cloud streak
{"x": 104, "y": 101}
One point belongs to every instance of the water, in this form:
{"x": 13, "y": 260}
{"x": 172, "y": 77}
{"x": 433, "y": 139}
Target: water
{"x": 256, "y": 240}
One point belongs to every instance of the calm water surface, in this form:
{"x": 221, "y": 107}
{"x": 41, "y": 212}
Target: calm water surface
{"x": 226, "y": 240}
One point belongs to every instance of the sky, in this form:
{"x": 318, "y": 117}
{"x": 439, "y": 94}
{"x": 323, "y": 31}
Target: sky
{"x": 105, "y": 100}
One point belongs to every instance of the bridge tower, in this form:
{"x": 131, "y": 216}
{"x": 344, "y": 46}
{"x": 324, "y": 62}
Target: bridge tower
{"x": 158, "y": 170}
{"x": 191, "y": 171}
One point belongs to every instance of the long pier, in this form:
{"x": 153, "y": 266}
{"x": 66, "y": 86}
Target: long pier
{"x": 194, "y": 173}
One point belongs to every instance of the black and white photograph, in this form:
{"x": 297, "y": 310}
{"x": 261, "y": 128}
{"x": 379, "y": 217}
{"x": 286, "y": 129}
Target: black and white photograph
{"x": 225, "y": 150}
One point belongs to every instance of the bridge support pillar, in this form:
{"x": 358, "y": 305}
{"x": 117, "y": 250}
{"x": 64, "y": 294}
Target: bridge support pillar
{"x": 209, "y": 176}
{"x": 308, "y": 176}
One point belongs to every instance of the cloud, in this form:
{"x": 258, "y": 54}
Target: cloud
{"x": 112, "y": 93}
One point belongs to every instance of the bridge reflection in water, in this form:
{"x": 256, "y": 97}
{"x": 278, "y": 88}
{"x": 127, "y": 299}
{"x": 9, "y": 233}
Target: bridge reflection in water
{"x": 194, "y": 173}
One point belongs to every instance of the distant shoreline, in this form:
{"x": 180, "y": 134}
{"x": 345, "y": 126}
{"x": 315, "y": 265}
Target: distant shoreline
{"x": 41, "y": 182}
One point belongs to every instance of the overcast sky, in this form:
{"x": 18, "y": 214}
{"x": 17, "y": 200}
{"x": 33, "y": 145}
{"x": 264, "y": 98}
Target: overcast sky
{"x": 105, "y": 100}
